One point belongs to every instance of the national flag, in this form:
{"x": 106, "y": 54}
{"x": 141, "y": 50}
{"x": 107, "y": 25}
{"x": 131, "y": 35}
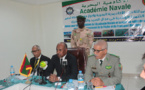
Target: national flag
{"x": 25, "y": 69}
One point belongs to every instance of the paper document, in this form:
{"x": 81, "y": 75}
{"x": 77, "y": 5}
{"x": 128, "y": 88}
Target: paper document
{"x": 105, "y": 88}
{"x": 1, "y": 86}
{"x": 20, "y": 77}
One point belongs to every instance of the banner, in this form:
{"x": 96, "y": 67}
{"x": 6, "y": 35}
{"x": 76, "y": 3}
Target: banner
{"x": 111, "y": 20}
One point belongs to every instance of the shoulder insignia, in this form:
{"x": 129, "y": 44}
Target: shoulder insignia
{"x": 115, "y": 55}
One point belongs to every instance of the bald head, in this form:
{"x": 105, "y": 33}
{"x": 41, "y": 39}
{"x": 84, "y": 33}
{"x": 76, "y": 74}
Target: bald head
{"x": 101, "y": 43}
{"x": 63, "y": 43}
{"x": 61, "y": 49}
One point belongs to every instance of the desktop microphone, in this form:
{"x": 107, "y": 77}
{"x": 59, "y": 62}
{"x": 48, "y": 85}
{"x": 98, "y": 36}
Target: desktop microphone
{"x": 35, "y": 67}
{"x": 64, "y": 62}
{"x": 43, "y": 66}
{"x": 34, "y": 71}
{"x": 64, "y": 67}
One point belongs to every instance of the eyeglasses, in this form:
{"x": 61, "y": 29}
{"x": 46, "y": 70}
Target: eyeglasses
{"x": 34, "y": 51}
{"x": 94, "y": 50}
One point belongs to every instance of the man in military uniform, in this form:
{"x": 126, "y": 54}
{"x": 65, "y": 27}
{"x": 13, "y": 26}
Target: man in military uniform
{"x": 82, "y": 37}
{"x": 103, "y": 68}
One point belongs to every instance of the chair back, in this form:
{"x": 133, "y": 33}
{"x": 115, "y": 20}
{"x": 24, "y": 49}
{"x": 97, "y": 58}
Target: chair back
{"x": 81, "y": 57}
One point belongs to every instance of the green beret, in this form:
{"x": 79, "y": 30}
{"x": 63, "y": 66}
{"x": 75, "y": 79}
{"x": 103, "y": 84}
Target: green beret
{"x": 80, "y": 17}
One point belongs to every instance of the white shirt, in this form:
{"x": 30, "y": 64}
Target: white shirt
{"x": 63, "y": 58}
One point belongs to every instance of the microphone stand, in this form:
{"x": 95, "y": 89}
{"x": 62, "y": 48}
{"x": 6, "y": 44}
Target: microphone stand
{"x": 43, "y": 81}
{"x": 64, "y": 67}
{"x": 34, "y": 71}
{"x": 38, "y": 80}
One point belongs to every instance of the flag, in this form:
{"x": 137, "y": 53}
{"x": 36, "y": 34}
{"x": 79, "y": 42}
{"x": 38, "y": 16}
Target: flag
{"x": 25, "y": 69}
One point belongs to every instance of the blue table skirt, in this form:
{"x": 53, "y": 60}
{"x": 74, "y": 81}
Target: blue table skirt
{"x": 49, "y": 84}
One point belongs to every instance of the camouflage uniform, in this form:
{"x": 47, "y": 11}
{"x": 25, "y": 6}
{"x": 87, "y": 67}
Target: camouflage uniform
{"x": 82, "y": 38}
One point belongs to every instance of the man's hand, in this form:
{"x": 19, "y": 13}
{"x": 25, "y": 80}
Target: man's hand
{"x": 142, "y": 74}
{"x": 53, "y": 78}
{"x": 97, "y": 82}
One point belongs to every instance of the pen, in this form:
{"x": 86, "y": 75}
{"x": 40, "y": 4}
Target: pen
{"x": 62, "y": 85}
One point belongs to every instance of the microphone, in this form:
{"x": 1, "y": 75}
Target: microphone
{"x": 64, "y": 62}
{"x": 35, "y": 66}
{"x": 64, "y": 67}
{"x": 43, "y": 66}
{"x": 35, "y": 69}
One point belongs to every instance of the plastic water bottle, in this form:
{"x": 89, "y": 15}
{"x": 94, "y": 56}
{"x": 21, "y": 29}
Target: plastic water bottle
{"x": 12, "y": 73}
{"x": 70, "y": 85}
{"x": 80, "y": 75}
{"x": 80, "y": 81}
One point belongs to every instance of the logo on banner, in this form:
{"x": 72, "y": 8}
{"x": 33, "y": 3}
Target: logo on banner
{"x": 69, "y": 10}
{"x": 143, "y": 1}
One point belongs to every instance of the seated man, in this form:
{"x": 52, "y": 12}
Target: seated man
{"x": 106, "y": 67}
{"x": 38, "y": 57}
{"x": 57, "y": 63}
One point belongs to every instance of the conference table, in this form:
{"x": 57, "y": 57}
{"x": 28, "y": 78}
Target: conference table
{"x": 20, "y": 85}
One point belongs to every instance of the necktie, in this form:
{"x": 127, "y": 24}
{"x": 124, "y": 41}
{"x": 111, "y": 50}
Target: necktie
{"x": 101, "y": 62}
{"x": 36, "y": 62}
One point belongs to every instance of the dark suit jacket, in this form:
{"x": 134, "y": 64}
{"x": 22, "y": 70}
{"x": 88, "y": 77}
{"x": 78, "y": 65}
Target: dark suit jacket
{"x": 43, "y": 58}
{"x": 71, "y": 69}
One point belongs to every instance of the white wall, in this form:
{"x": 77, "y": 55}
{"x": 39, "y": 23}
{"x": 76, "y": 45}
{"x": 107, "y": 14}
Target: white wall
{"x": 52, "y": 27}
{"x": 17, "y": 34}
{"x": 23, "y": 25}
{"x": 130, "y": 54}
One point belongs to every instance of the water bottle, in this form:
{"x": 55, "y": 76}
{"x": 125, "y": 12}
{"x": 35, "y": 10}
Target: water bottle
{"x": 80, "y": 75}
{"x": 80, "y": 81}
{"x": 12, "y": 73}
{"x": 70, "y": 85}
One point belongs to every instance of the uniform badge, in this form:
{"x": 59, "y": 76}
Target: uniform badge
{"x": 108, "y": 67}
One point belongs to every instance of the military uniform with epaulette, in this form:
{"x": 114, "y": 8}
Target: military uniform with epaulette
{"x": 110, "y": 72}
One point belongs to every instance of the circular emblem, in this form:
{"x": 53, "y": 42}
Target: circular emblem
{"x": 42, "y": 64}
{"x": 69, "y": 10}
{"x": 143, "y": 1}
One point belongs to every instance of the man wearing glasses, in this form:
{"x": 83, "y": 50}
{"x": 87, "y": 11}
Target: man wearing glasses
{"x": 103, "y": 69}
{"x": 38, "y": 57}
